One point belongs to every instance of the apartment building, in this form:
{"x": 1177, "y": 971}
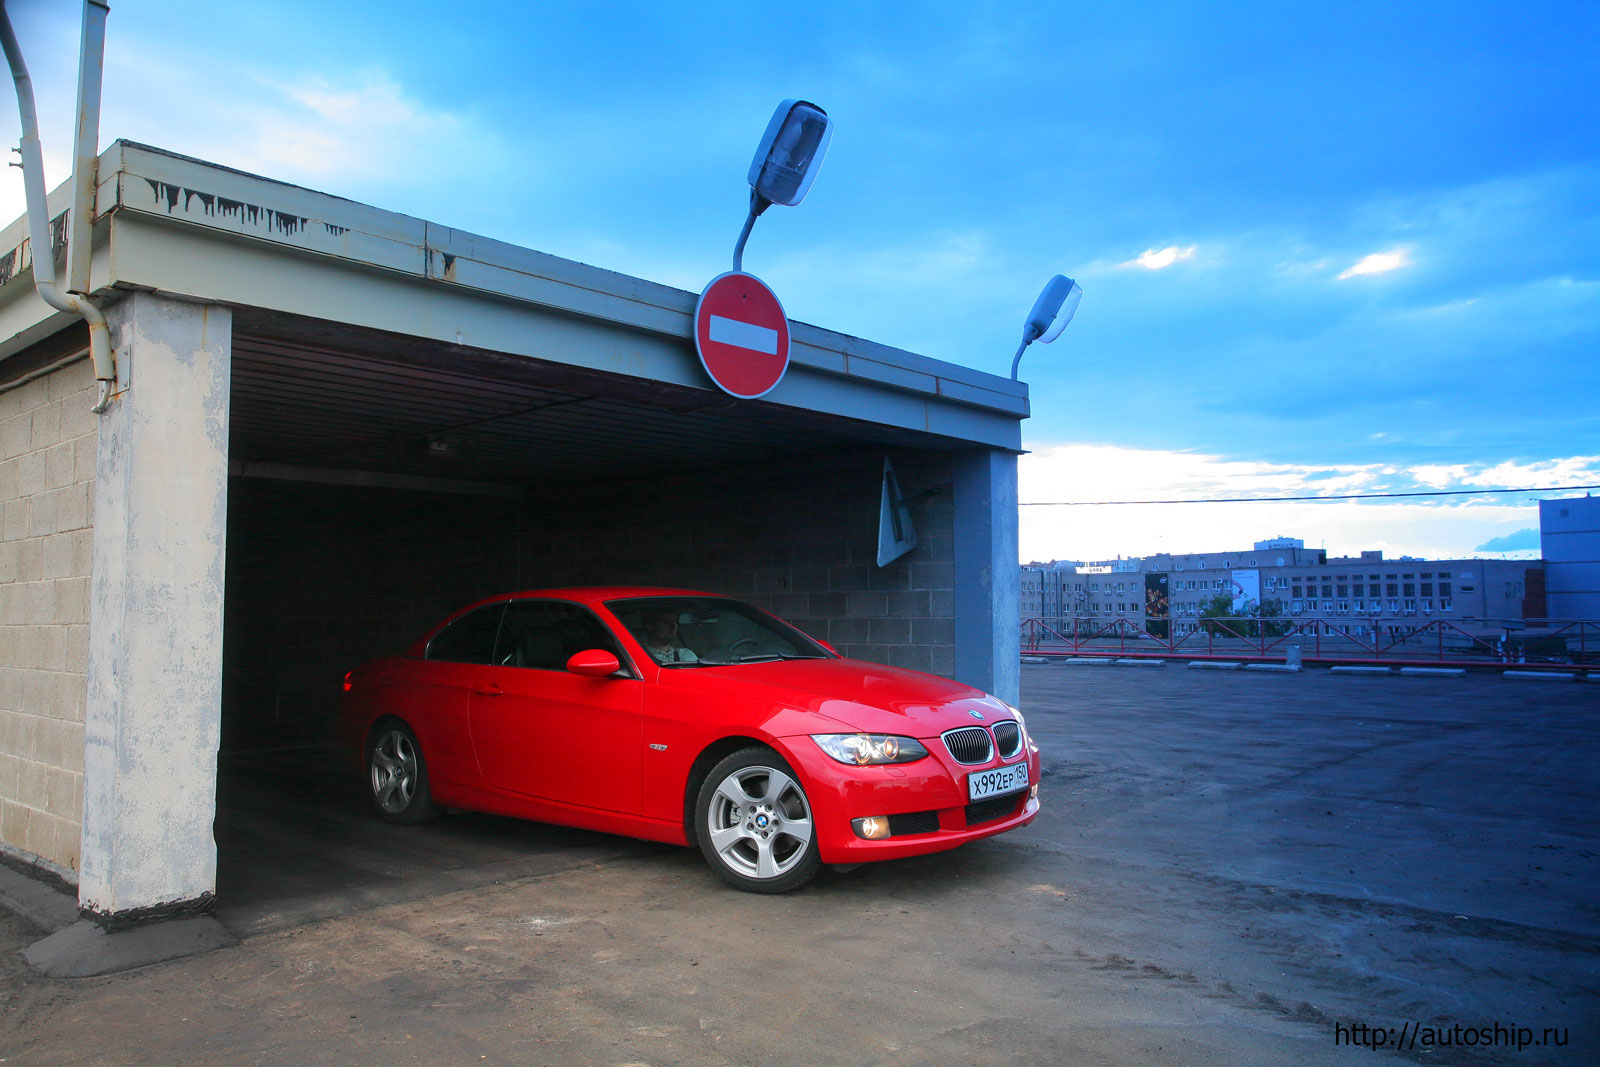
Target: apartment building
{"x": 1282, "y": 577}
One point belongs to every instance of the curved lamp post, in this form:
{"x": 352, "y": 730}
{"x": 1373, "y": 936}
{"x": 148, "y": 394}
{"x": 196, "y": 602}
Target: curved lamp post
{"x": 1056, "y": 305}
{"x": 785, "y": 163}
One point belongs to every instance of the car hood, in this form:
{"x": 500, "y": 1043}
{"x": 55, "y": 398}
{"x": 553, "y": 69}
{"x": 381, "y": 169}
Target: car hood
{"x": 869, "y": 697}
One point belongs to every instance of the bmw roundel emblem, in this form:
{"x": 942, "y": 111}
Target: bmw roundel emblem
{"x": 761, "y": 821}
{"x": 976, "y": 714}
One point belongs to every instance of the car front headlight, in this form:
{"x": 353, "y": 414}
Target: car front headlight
{"x": 862, "y": 750}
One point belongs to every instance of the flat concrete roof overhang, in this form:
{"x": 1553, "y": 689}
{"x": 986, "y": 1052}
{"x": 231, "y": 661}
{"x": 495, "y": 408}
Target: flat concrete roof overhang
{"x": 360, "y": 333}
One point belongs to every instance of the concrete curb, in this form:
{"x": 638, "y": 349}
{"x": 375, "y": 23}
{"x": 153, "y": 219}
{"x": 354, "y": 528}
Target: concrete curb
{"x": 1213, "y": 665}
{"x": 1088, "y": 661}
{"x": 1435, "y": 672}
{"x": 85, "y": 949}
{"x": 1141, "y": 663}
{"x": 1553, "y": 676}
{"x": 1360, "y": 670}
{"x": 1272, "y": 668}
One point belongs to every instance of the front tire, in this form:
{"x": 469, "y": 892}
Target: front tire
{"x": 397, "y": 775}
{"x": 754, "y": 825}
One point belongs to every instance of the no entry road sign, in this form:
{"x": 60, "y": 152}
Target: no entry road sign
{"x": 742, "y": 335}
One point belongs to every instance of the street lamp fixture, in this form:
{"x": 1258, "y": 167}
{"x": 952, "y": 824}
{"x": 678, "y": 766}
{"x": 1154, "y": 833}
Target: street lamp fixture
{"x": 785, "y": 162}
{"x": 1056, "y": 305}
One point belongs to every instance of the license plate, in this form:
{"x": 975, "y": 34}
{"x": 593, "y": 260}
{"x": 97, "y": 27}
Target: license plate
{"x": 998, "y": 781}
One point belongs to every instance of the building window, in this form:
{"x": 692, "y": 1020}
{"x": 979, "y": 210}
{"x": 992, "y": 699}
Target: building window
{"x": 1343, "y": 590}
{"x": 1444, "y": 603}
{"x": 1295, "y": 605}
{"x": 1444, "y": 589}
{"x": 1393, "y": 589}
{"x": 1410, "y": 589}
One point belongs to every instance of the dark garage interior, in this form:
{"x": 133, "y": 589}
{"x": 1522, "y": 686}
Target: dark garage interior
{"x": 382, "y": 484}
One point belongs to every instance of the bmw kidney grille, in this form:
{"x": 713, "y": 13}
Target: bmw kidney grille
{"x": 969, "y": 745}
{"x": 1008, "y": 738}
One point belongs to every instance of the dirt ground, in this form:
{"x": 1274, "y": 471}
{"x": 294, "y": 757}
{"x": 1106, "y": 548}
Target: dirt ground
{"x": 1229, "y": 869}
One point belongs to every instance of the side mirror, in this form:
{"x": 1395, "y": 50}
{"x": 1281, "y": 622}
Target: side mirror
{"x": 594, "y": 663}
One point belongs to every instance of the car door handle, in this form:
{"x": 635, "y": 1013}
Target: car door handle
{"x": 489, "y": 690}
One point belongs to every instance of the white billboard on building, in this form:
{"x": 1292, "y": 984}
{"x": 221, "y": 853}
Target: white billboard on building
{"x": 1246, "y": 592}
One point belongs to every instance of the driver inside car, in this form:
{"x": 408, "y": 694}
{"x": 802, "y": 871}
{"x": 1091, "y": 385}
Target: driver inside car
{"x": 660, "y": 639}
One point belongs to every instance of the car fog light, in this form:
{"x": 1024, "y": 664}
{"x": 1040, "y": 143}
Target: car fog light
{"x": 872, "y": 827}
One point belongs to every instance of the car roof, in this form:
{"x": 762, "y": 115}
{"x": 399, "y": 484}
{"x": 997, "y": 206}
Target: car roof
{"x": 594, "y": 594}
{"x": 590, "y": 595}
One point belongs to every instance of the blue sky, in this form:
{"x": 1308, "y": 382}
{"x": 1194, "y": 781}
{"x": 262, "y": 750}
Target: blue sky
{"x": 1343, "y": 249}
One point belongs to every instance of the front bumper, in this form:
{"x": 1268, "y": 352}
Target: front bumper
{"x": 926, "y": 802}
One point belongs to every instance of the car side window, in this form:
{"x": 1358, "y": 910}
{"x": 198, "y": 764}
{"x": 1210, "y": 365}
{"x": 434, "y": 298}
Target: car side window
{"x": 470, "y": 639}
{"x": 544, "y": 634}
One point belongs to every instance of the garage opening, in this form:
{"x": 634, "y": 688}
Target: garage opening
{"x": 382, "y": 483}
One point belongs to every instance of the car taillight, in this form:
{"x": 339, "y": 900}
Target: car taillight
{"x": 347, "y": 685}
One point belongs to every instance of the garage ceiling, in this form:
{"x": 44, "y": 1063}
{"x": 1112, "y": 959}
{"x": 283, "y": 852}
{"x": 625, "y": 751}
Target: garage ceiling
{"x": 316, "y": 396}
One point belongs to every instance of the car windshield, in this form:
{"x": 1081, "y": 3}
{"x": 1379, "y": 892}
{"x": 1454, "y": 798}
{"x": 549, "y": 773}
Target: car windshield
{"x": 683, "y": 631}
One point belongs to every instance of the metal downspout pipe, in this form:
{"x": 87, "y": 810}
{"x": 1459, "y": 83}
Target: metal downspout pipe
{"x": 43, "y": 254}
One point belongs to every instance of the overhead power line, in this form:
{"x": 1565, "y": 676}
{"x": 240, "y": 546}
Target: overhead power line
{"x": 1288, "y": 499}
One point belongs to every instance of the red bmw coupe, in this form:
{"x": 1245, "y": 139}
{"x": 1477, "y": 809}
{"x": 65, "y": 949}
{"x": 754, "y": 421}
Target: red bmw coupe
{"x": 688, "y": 718}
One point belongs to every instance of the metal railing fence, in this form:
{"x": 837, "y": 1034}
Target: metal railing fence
{"x": 1402, "y": 640}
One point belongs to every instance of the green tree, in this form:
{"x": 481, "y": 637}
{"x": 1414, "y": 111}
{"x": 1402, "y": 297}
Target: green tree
{"x": 1273, "y": 610}
{"x": 1219, "y": 607}
{"x": 1259, "y": 619}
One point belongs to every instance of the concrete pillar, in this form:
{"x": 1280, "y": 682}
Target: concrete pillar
{"x": 987, "y": 623}
{"x": 153, "y": 715}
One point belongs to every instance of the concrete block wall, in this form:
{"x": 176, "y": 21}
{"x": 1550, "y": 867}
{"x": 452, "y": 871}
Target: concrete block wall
{"x": 798, "y": 539}
{"x": 47, "y": 471}
{"x": 322, "y": 578}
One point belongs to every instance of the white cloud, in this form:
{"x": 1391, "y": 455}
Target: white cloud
{"x": 363, "y": 132}
{"x": 1439, "y": 476}
{"x": 1158, "y": 258}
{"x": 1573, "y": 470}
{"x": 1379, "y": 263}
{"x": 364, "y": 124}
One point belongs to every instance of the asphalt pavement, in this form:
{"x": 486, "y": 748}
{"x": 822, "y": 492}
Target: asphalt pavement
{"x": 1229, "y": 868}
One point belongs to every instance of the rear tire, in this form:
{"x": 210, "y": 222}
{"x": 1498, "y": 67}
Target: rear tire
{"x": 397, "y": 775}
{"x": 754, "y": 825}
